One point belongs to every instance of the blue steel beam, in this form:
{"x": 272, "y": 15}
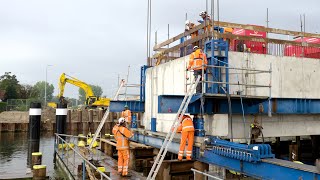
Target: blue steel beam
{"x": 134, "y": 106}
{"x": 155, "y": 142}
{"x": 212, "y": 105}
{"x": 267, "y": 168}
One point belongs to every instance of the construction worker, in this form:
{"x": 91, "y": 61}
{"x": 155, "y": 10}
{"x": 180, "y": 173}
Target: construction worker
{"x": 197, "y": 62}
{"x": 122, "y": 135}
{"x": 126, "y": 114}
{"x": 190, "y": 25}
{"x": 187, "y": 134}
{"x": 205, "y": 19}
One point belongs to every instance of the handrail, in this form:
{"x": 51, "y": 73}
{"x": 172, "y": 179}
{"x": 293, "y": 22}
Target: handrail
{"x": 242, "y": 26}
{"x": 82, "y": 157}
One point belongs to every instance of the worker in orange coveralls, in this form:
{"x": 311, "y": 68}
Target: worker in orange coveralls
{"x": 126, "y": 114}
{"x": 188, "y": 26}
{"x": 197, "y": 62}
{"x": 122, "y": 135}
{"x": 187, "y": 134}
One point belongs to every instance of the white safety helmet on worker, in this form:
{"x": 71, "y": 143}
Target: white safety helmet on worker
{"x": 203, "y": 13}
{"x": 121, "y": 120}
{"x": 195, "y": 48}
{"x": 188, "y": 22}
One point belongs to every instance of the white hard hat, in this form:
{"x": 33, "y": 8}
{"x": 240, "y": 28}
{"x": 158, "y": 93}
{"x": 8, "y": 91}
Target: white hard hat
{"x": 195, "y": 48}
{"x": 203, "y": 13}
{"x": 188, "y": 22}
{"x": 121, "y": 120}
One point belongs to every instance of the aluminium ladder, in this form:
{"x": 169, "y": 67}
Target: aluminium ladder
{"x": 164, "y": 148}
{"x": 105, "y": 116}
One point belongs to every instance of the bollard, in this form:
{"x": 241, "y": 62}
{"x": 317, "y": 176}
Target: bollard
{"x": 198, "y": 123}
{"x": 82, "y": 140}
{"x": 36, "y": 158}
{"x": 61, "y": 119}
{"x": 134, "y": 123}
{"x": 39, "y": 172}
{"x": 34, "y": 121}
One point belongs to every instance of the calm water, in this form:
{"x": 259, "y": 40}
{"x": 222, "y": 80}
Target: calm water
{"x": 14, "y": 153}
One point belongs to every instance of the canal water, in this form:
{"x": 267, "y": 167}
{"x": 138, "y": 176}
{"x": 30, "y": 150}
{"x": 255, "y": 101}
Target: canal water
{"x": 14, "y": 154}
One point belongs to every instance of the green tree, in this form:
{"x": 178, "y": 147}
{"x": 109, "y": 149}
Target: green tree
{"x": 9, "y": 84}
{"x": 97, "y": 90}
{"x": 25, "y": 91}
{"x": 39, "y": 90}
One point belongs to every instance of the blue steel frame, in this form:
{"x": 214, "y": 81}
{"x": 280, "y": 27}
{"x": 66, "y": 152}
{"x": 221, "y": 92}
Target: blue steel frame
{"x": 143, "y": 83}
{"x": 260, "y": 170}
{"x": 264, "y": 166}
{"x": 217, "y": 55}
{"x": 171, "y": 104}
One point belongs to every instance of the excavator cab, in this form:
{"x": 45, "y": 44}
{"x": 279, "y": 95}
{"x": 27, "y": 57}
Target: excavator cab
{"x": 90, "y": 100}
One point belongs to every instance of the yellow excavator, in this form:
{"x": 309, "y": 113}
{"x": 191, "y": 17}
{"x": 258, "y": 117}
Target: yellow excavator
{"x": 91, "y": 99}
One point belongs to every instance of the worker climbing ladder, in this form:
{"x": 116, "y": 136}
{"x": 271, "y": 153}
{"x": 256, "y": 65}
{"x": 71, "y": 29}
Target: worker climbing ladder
{"x": 163, "y": 151}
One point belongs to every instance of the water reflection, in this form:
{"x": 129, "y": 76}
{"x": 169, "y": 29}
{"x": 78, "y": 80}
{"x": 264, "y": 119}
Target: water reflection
{"x": 15, "y": 153}
{"x": 33, "y": 146}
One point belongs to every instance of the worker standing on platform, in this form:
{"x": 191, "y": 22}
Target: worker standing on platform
{"x": 205, "y": 19}
{"x": 126, "y": 114}
{"x": 190, "y": 25}
{"x": 187, "y": 134}
{"x": 122, "y": 135}
{"x": 197, "y": 63}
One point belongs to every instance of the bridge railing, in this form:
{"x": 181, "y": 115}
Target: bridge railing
{"x": 70, "y": 155}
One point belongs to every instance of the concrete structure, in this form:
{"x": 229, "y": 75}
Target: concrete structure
{"x": 291, "y": 78}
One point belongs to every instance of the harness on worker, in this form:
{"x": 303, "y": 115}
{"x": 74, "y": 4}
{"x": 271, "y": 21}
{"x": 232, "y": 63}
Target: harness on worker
{"x": 121, "y": 132}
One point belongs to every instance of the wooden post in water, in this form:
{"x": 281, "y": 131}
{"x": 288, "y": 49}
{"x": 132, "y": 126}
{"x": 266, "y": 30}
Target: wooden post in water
{"x": 39, "y": 172}
{"x": 36, "y": 158}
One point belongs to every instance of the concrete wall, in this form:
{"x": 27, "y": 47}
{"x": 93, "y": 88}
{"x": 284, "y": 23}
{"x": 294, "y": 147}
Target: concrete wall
{"x": 291, "y": 78}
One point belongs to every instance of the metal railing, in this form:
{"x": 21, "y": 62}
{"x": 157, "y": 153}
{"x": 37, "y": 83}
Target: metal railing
{"x": 245, "y": 71}
{"x": 64, "y": 156}
{"x": 18, "y": 104}
{"x": 205, "y": 174}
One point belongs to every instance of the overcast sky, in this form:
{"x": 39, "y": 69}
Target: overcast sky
{"x": 96, "y": 40}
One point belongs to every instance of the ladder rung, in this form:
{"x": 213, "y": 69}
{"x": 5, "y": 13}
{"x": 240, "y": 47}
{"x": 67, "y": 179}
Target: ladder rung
{"x": 170, "y": 135}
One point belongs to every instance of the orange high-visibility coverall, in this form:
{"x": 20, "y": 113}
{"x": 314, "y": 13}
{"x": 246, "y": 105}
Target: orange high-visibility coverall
{"x": 197, "y": 59}
{"x": 187, "y": 129}
{"x": 127, "y": 115}
{"x": 122, "y": 135}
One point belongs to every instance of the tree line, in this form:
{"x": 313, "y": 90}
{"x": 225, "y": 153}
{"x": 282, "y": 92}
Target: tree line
{"x": 11, "y": 88}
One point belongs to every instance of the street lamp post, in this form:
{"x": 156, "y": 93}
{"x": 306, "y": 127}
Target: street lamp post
{"x": 45, "y": 86}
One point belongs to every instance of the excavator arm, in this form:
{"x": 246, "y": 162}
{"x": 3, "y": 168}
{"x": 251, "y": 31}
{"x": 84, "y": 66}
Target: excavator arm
{"x": 90, "y": 97}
